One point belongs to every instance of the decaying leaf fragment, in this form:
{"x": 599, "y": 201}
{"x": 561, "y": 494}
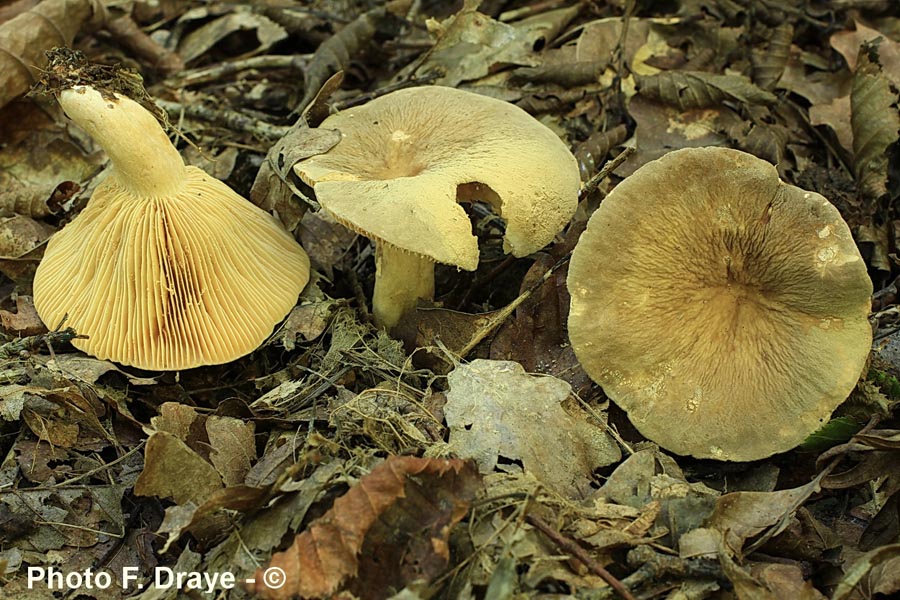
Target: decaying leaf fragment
{"x": 173, "y": 470}
{"x": 388, "y": 530}
{"x": 875, "y": 120}
{"x": 740, "y": 516}
{"x": 25, "y": 38}
{"x": 22, "y": 242}
{"x": 470, "y": 44}
{"x": 698, "y": 89}
{"x": 496, "y": 409}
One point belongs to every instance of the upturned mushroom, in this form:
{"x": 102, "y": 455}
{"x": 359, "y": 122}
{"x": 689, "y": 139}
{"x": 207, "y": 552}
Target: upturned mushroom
{"x": 724, "y": 310}
{"x": 166, "y": 268}
{"x": 408, "y": 158}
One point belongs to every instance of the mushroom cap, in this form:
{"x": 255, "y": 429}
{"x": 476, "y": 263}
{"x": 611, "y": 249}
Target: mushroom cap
{"x": 394, "y": 176}
{"x": 196, "y": 277}
{"x": 724, "y": 310}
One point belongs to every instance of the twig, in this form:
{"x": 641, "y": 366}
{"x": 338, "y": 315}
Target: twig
{"x": 588, "y": 188}
{"x": 291, "y": 62}
{"x": 504, "y": 313}
{"x": 130, "y": 35}
{"x": 226, "y": 118}
{"x": 15, "y": 348}
{"x": 103, "y": 467}
{"x": 368, "y": 96}
{"x": 570, "y": 547}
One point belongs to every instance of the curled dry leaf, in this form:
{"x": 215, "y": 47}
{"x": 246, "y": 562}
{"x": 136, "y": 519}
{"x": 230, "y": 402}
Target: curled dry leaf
{"x": 196, "y": 43}
{"x": 698, "y": 89}
{"x": 875, "y": 121}
{"x": 25, "y": 38}
{"x": 275, "y": 187}
{"x": 388, "y": 530}
{"x": 879, "y": 566}
{"x": 742, "y": 515}
{"x": 769, "y": 64}
{"x": 335, "y": 53}
{"x": 470, "y": 45}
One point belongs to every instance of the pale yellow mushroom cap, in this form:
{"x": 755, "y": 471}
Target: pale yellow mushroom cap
{"x": 394, "y": 175}
{"x": 192, "y": 275}
{"x": 723, "y": 309}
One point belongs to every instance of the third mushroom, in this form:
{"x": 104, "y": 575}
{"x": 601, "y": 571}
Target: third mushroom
{"x": 404, "y": 162}
{"x": 724, "y": 310}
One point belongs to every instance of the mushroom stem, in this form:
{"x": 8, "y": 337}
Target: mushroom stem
{"x": 143, "y": 159}
{"x": 401, "y": 278}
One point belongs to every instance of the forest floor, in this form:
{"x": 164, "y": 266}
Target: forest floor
{"x": 425, "y": 464}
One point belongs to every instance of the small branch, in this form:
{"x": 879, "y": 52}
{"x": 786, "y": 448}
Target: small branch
{"x": 570, "y": 547}
{"x": 15, "y": 348}
{"x": 591, "y": 185}
{"x": 228, "y": 119}
{"x": 292, "y": 62}
{"x": 132, "y": 37}
{"x": 501, "y": 315}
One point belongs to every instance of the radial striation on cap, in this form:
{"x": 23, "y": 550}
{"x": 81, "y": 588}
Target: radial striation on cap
{"x": 724, "y": 310}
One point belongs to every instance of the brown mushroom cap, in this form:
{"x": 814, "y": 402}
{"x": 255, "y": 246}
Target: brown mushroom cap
{"x": 192, "y": 275}
{"x": 394, "y": 175}
{"x": 724, "y": 310}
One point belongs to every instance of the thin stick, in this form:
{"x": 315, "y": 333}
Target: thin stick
{"x": 500, "y": 317}
{"x": 603, "y": 173}
{"x": 570, "y": 547}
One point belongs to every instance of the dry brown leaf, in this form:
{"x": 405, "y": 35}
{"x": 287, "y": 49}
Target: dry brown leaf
{"x": 835, "y": 114}
{"x": 41, "y": 166}
{"x": 769, "y": 63}
{"x": 275, "y": 188}
{"x": 537, "y": 338}
{"x": 886, "y": 581}
{"x": 848, "y": 43}
{"x": 470, "y": 45}
{"x": 25, "y": 38}
{"x": 698, "y": 89}
{"x": 389, "y": 529}
{"x": 875, "y": 119}
{"x": 662, "y": 128}
{"x": 65, "y": 417}
{"x": 22, "y": 242}
{"x": 25, "y": 321}
{"x": 175, "y": 418}
{"x": 173, "y": 470}
{"x": 196, "y": 43}
{"x": 742, "y": 515}
{"x": 306, "y": 322}
{"x": 233, "y": 447}
{"x": 495, "y": 409}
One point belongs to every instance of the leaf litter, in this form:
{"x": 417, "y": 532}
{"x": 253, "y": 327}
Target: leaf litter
{"x": 369, "y": 468}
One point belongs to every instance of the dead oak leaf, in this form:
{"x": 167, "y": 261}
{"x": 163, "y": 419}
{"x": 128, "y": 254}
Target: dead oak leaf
{"x": 173, "y": 470}
{"x": 495, "y": 409}
{"x": 389, "y": 529}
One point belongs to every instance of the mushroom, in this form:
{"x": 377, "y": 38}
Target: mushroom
{"x": 404, "y": 162}
{"x": 724, "y": 310}
{"x": 166, "y": 268}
